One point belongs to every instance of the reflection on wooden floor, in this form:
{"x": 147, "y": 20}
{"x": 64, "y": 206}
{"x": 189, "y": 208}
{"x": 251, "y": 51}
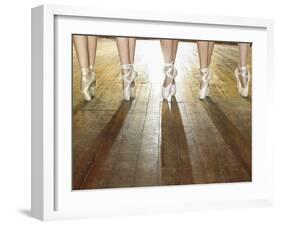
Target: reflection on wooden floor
{"x": 148, "y": 142}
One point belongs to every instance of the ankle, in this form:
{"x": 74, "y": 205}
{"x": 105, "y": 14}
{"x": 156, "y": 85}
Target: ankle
{"x": 126, "y": 68}
{"x": 125, "y": 72}
{"x": 204, "y": 70}
{"x": 167, "y": 66}
{"x": 92, "y": 67}
{"x": 85, "y": 71}
{"x": 243, "y": 71}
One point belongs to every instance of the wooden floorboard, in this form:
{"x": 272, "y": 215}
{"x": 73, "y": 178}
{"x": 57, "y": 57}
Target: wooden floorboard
{"x": 150, "y": 142}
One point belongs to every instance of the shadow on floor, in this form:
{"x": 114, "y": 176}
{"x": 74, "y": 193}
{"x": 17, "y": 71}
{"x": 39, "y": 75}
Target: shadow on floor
{"x": 239, "y": 145}
{"x": 175, "y": 164}
{"x": 101, "y": 146}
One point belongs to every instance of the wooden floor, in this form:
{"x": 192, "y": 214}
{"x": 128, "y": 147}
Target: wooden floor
{"x": 148, "y": 142}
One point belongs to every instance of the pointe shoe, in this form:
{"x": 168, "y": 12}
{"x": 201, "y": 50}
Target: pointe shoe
{"x": 170, "y": 90}
{"x": 86, "y": 82}
{"x": 174, "y": 88}
{"x": 93, "y": 86}
{"x": 245, "y": 74}
{"x": 133, "y": 85}
{"x": 128, "y": 79}
{"x": 204, "y": 88}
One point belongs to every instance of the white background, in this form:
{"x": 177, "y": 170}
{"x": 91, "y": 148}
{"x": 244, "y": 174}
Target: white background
{"x": 15, "y": 112}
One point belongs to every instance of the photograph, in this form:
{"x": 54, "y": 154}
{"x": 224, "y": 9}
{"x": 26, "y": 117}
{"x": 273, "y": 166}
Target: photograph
{"x": 159, "y": 112}
{"x": 140, "y": 113}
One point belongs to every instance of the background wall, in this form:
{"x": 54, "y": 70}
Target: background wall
{"x": 15, "y": 111}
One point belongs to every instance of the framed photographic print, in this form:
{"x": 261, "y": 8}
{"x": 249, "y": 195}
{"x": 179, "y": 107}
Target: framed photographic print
{"x": 141, "y": 112}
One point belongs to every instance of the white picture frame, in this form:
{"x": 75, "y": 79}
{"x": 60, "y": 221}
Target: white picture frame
{"x": 52, "y": 197}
